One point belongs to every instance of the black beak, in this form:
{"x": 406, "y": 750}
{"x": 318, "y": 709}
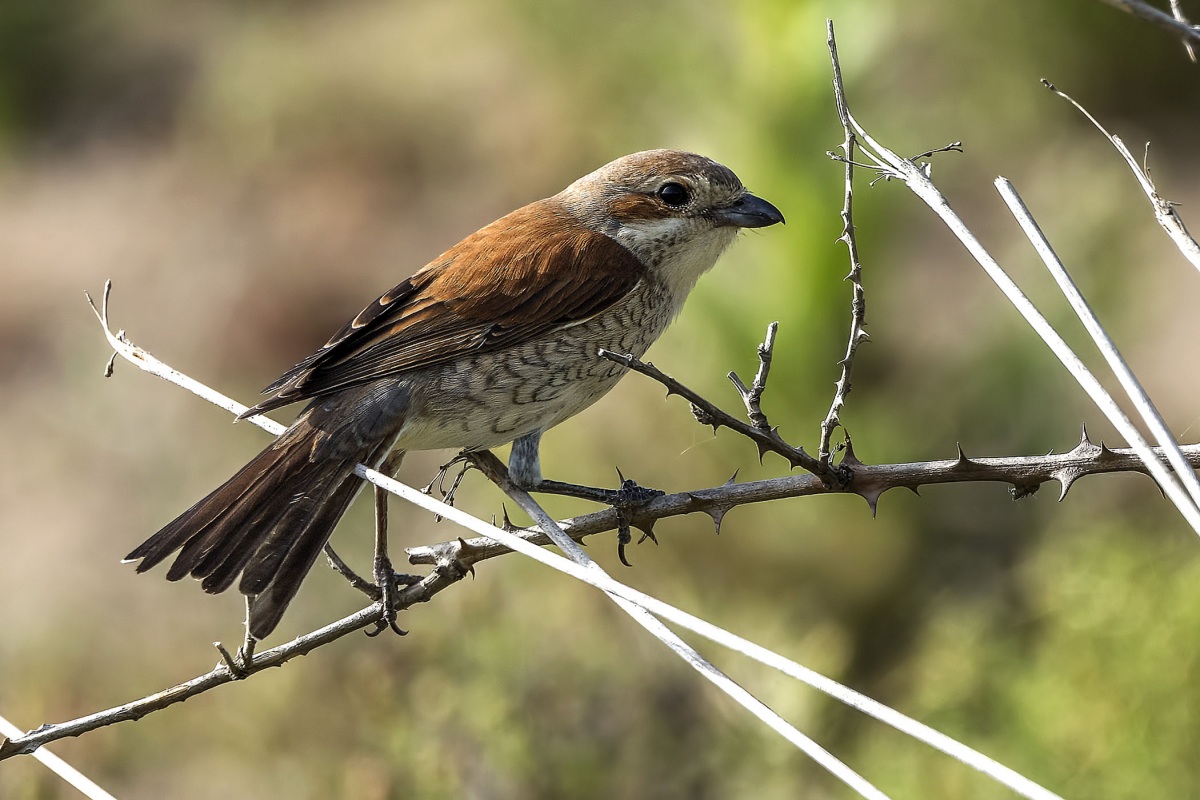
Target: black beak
{"x": 748, "y": 211}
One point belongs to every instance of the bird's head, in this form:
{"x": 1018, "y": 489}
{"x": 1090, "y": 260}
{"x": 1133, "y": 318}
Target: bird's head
{"x": 675, "y": 211}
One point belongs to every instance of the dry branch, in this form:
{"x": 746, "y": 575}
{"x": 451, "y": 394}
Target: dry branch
{"x": 858, "y": 302}
{"x": 1023, "y": 474}
{"x": 1188, "y": 34}
{"x": 1164, "y": 210}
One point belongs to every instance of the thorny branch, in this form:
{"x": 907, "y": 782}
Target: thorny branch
{"x": 227, "y": 672}
{"x": 708, "y": 413}
{"x": 1024, "y": 475}
{"x": 858, "y": 303}
{"x": 752, "y": 396}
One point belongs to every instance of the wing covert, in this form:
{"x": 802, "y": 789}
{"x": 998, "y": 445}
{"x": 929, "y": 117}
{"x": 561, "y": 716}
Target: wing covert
{"x": 518, "y": 278}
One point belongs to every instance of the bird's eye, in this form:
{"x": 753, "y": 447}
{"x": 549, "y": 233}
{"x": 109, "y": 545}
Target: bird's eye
{"x": 673, "y": 194}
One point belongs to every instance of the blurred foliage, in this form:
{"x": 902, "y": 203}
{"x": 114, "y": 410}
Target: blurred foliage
{"x": 250, "y": 174}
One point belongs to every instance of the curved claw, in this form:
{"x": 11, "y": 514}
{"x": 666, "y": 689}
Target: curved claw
{"x": 384, "y": 624}
{"x": 623, "y": 538}
{"x": 625, "y": 500}
{"x": 387, "y": 619}
{"x": 388, "y": 581}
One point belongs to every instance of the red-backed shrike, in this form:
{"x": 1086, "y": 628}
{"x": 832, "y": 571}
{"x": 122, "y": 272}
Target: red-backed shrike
{"x": 494, "y": 341}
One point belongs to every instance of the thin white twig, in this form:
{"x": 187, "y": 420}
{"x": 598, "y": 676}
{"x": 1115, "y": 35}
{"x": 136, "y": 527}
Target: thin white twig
{"x": 887, "y": 715}
{"x": 685, "y": 651}
{"x": 1164, "y": 211}
{"x": 920, "y": 184}
{"x": 148, "y": 363}
{"x": 1177, "y": 13}
{"x": 62, "y": 769}
{"x": 1133, "y": 388}
{"x": 843, "y": 694}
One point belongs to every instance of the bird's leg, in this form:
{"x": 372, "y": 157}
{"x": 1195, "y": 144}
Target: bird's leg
{"x": 386, "y": 578}
{"x": 524, "y": 467}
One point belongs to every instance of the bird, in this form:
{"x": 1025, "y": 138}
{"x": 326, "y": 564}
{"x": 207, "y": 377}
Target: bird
{"x": 496, "y": 340}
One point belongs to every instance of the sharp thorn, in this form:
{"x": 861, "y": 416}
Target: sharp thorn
{"x": 962, "y": 457}
{"x": 648, "y": 533}
{"x": 718, "y": 512}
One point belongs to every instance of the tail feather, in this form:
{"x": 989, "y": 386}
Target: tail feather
{"x": 225, "y": 562}
{"x": 193, "y": 524}
{"x": 305, "y": 547}
{"x": 269, "y": 523}
{"x": 262, "y": 510}
{"x": 279, "y": 539}
{"x": 250, "y": 512}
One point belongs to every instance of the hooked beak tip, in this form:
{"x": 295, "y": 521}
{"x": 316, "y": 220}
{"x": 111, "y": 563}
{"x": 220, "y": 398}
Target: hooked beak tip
{"x": 750, "y": 211}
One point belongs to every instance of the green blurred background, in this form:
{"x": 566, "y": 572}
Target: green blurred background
{"x": 250, "y": 174}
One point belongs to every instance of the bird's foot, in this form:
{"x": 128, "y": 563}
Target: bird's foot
{"x": 625, "y": 536}
{"x": 628, "y": 497}
{"x": 631, "y": 495}
{"x": 625, "y": 501}
{"x": 388, "y": 583}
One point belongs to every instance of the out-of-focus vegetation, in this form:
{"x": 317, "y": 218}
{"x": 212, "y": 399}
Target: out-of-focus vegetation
{"x": 249, "y": 175}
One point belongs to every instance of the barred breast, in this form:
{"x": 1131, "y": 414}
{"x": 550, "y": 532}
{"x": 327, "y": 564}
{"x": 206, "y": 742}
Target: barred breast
{"x": 489, "y": 399}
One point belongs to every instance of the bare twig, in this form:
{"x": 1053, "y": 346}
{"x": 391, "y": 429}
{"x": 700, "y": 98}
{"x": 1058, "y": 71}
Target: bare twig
{"x": 86, "y": 786}
{"x": 148, "y": 363}
{"x": 953, "y": 147}
{"x": 1129, "y": 382}
{"x": 1189, "y": 34}
{"x": 223, "y": 673}
{"x": 917, "y": 180}
{"x": 858, "y": 301}
{"x": 752, "y": 397}
{"x": 767, "y": 441}
{"x": 1164, "y": 210}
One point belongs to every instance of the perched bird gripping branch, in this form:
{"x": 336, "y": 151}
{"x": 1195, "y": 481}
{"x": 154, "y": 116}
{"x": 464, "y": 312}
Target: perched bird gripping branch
{"x": 494, "y": 341}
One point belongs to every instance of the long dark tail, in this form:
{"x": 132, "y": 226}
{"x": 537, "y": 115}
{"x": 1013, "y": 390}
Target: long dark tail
{"x": 270, "y": 521}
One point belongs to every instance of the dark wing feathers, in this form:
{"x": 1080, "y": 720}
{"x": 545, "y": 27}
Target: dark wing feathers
{"x": 518, "y": 278}
{"x": 352, "y": 331}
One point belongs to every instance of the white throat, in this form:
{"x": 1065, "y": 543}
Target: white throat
{"x": 675, "y": 251}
